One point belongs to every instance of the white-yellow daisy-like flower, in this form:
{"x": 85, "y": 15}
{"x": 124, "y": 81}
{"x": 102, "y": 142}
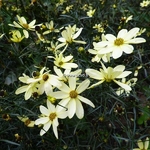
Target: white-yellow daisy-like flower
{"x": 29, "y": 89}
{"x": 126, "y": 19}
{"x": 63, "y": 76}
{"x": 71, "y": 98}
{"x": 16, "y": 36}
{"x": 145, "y": 3}
{"x": 108, "y": 75}
{"x": 69, "y": 36}
{"x": 91, "y": 12}
{"x": 52, "y": 47}
{"x": 96, "y": 51}
{"x": 50, "y": 27}
{"x": 46, "y": 81}
{"x": 121, "y": 43}
{"x": 29, "y": 123}
{"x": 63, "y": 62}
{"x": 130, "y": 82}
{"x": 50, "y": 116}
{"x": 142, "y": 145}
{"x": 24, "y": 25}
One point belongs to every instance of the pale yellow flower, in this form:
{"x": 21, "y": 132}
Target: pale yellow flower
{"x": 99, "y": 28}
{"x": 91, "y": 12}
{"x": 68, "y": 8}
{"x": 50, "y": 27}
{"x": 53, "y": 47}
{"x": 127, "y": 19}
{"x": 24, "y": 25}
{"x": 145, "y": 3}
{"x": 63, "y": 76}
{"x": 69, "y": 36}
{"x": 142, "y": 145}
{"x": 42, "y": 38}
{"x": 26, "y": 120}
{"x": 63, "y": 62}
{"x": 97, "y": 50}
{"x": 71, "y": 98}
{"x": 130, "y": 82}
{"x": 50, "y": 116}
{"x": 108, "y": 75}
{"x": 46, "y": 81}
{"x": 121, "y": 43}
{"x": 16, "y": 36}
{"x": 29, "y": 89}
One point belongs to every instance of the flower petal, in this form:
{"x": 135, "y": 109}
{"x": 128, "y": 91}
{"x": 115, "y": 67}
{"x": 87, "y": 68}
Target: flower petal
{"x": 122, "y": 33}
{"x": 59, "y": 95}
{"x": 132, "y": 33}
{"x": 117, "y": 52}
{"x": 94, "y": 74}
{"x": 44, "y": 110}
{"x": 136, "y": 41}
{"x": 64, "y": 102}
{"x": 69, "y": 65}
{"x": 71, "y": 108}
{"x": 64, "y": 88}
{"x": 72, "y": 83}
{"x": 146, "y": 143}
{"x": 21, "y": 89}
{"x": 55, "y": 131}
{"x": 79, "y": 110}
{"x": 128, "y": 49}
{"x": 85, "y": 100}
{"x": 110, "y": 37}
{"x": 140, "y": 144}
{"x": 77, "y": 34}
{"x": 124, "y": 74}
{"x": 41, "y": 120}
{"x": 45, "y": 128}
{"x": 26, "y": 34}
{"x": 124, "y": 86}
{"x": 51, "y": 107}
{"x": 83, "y": 86}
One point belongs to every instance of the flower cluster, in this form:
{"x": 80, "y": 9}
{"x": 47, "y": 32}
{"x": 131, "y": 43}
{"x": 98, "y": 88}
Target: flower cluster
{"x": 62, "y": 83}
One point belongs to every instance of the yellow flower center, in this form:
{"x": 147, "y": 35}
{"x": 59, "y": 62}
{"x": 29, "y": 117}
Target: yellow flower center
{"x": 119, "y": 41}
{"x": 45, "y": 77}
{"x": 26, "y": 26}
{"x": 60, "y": 63}
{"x": 52, "y": 116}
{"x": 73, "y": 94}
{"x": 27, "y": 122}
{"x": 108, "y": 80}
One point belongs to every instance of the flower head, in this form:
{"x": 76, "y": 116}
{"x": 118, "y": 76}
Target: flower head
{"x": 26, "y": 120}
{"x": 29, "y": 89}
{"x": 71, "y": 97}
{"x": 69, "y": 36}
{"x": 50, "y": 27}
{"x": 16, "y": 36}
{"x": 130, "y": 82}
{"x": 50, "y": 116}
{"x": 121, "y": 43}
{"x": 91, "y": 12}
{"x": 145, "y": 3}
{"x": 142, "y": 145}
{"x": 24, "y": 25}
{"x": 46, "y": 81}
{"x": 63, "y": 62}
{"x": 109, "y": 74}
